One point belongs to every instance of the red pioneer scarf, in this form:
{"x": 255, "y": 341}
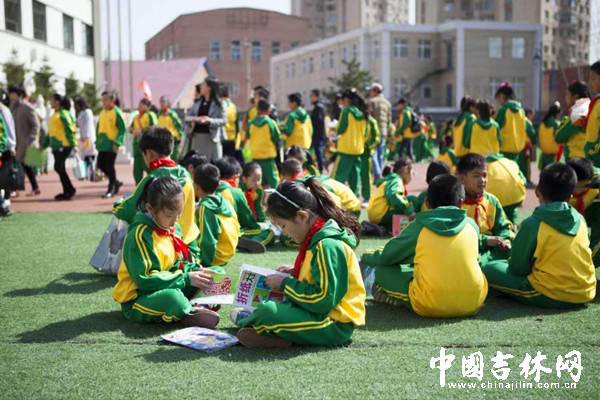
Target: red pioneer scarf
{"x": 181, "y": 249}
{"x": 297, "y": 175}
{"x": 580, "y": 201}
{"x": 161, "y": 162}
{"x": 250, "y": 199}
{"x": 478, "y": 203}
{"x": 231, "y": 181}
{"x": 302, "y": 252}
{"x": 405, "y": 188}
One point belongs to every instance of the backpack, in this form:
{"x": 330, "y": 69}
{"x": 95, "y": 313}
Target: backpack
{"x": 415, "y": 122}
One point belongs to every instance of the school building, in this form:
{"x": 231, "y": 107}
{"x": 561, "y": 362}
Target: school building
{"x": 432, "y": 66}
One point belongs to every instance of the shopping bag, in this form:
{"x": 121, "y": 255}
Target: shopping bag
{"x": 12, "y": 175}
{"x": 246, "y": 153}
{"x": 108, "y": 254}
{"x": 35, "y": 157}
{"x": 79, "y": 169}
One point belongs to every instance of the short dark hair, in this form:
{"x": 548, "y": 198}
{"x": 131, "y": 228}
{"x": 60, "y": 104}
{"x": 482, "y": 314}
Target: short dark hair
{"x": 262, "y": 93}
{"x": 580, "y": 89}
{"x": 291, "y": 167}
{"x": 224, "y": 91}
{"x": 157, "y": 138}
{"x": 469, "y": 162}
{"x": 228, "y": 167}
{"x": 466, "y": 103}
{"x": 485, "y": 109}
{"x": 445, "y": 190}
{"x": 263, "y": 106}
{"x": 295, "y": 98}
{"x": 249, "y": 168}
{"x": 316, "y": 92}
{"x": 506, "y": 90}
{"x": 436, "y": 168}
{"x": 557, "y": 182}
{"x": 396, "y": 166}
{"x": 17, "y": 89}
{"x": 596, "y": 67}
{"x": 194, "y": 159}
{"x": 584, "y": 168}
{"x": 207, "y": 177}
{"x": 401, "y": 100}
{"x": 146, "y": 102}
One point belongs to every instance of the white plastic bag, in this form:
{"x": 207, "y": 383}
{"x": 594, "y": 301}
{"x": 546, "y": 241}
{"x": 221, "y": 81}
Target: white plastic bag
{"x": 108, "y": 254}
{"x": 580, "y": 109}
{"x": 79, "y": 169}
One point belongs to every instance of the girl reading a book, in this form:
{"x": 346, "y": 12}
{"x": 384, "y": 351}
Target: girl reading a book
{"x": 325, "y": 295}
{"x": 158, "y": 275}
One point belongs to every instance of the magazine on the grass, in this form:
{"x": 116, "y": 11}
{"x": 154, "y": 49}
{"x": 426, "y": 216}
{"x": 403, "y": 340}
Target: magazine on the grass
{"x": 251, "y": 288}
{"x": 220, "y": 291}
{"x": 202, "y": 339}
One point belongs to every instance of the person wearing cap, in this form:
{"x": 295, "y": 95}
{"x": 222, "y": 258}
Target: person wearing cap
{"x": 298, "y": 128}
{"x": 381, "y": 110}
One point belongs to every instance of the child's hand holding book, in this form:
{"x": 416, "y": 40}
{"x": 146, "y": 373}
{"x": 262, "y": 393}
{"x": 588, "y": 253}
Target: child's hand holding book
{"x": 201, "y": 278}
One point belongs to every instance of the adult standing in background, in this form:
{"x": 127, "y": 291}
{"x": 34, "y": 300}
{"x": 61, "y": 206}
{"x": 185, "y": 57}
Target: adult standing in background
{"x": 317, "y": 116}
{"x": 87, "y": 135}
{"x": 27, "y": 126}
{"x": 209, "y": 115}
{"x": 337, "y": 107}
{"x": 381, "y": 110}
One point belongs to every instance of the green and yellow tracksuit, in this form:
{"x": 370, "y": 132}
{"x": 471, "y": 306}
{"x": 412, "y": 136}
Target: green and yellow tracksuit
{"x": 403, "y": 129}
{"x": 253, "y": 112}
{"x": 111, "y": 129}
{"x": 573, "y": 137}
{"x": 219, "y": 230}
{"x": 489, "y": 216}
{"x": 547, "y": 141}
{"x": 511, "y": 119}
{"x": 142, "y": 122}
{"x": 448, "y": 156}
{"x": 350, "y": 147}
{"x": 154, "y": 286}
{"x": 507, "y": 183}
{"x": 411, "y": 269}
{"x": 298, "y": 129}
{"x": 592, "y": 133}
{"x": 310, "y": 169}
{"x": 61, "y": 130}
{"x": 372, "y": 139}
{"x": 170, "y": 120}
{"x": 249, "y": 226}
{"x": 3, "y": 137}
{"x": 327, "y": 300}
{"x": 421, "y": 144}
{"x": 551, "y": 263}
{"x": 232, "y": 126}
{"x": 125, "y": 209}
{"x": 420, "y": 203}
{"x": 524, "y": 159}
{"x": 341, "y": 194}
{"x": 482, "y": 137}
{"x": 464, "y": 119}
{"x": 264, "y": 136}
{"x": 588, "y": 204}
{"x": 389, "y": 199}
{"x": 256, "y": 200}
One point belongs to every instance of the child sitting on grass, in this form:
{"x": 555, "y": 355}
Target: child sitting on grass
{"x": 507, "y": 183}
{"x": 219, "y": 227}
{"x": 304, "y": 157}
{"x": 412, "y": 270}
{"x": 495, "y": 229}
{"x": 192, "y": 160}
{"x": 551, "y": 263}
{"x": 325, "y": 296}
{"x": 255, "y": 194}
{"x": 158, "y": 274}
{"x": 156, "y": 147}
{"x": 446, "y": 153}
{"x": 434, "y": 169}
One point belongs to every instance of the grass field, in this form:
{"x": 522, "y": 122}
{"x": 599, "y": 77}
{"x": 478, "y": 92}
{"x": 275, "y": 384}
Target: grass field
{"x": 63, "y": 336}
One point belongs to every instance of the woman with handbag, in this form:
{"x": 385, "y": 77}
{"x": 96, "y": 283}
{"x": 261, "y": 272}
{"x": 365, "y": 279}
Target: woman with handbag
{"x": 61, "y": 137}
{"x": 209, "y": 116}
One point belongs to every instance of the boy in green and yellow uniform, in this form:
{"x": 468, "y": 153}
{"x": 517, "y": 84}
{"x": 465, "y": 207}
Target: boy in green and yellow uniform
{"x": 410, "y": 270}
{"x": 218, "y": 225}
{"x": 551, "y": 263}
{"x": 511, "y": 118}
{"x": 264, "y": 137}
{"x": 111, "y": 131}
{"x": 297, "y": 129}
{"x": 496, "y": 231}
{"x": 260, "y": 93}
{"x": 434, "y": 169}
{"x": 156, "y": 146}
{"x": 404, "y": 135}
{"x": 467, "y": 116}
{"x": 482, "y": 136}
{"x": 446, "y": 153}
{"x": 507, "y": 183}
{"x": 170, "y": 120}
{"x": 372, "y": 139}
{"x": 547, "y": 132}
{"x": 592, "y": 124}
{"x": 142, "y": 121}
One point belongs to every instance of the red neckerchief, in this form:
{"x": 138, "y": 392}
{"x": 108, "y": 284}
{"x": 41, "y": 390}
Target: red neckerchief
{"x": 587, "y": 117}
{"x": 302, "y": 252}
{"x": 297, "y": 175}
{"x": 249, "y": 198}
{"x": 181, "y": 249}
{"x": 580, "y": 201}
{"x": 477, "y": 202}
{"x": 161, "y": 162}
{"x": 231, "y": 181}
{"x": 166, "y": 111}
{"x": 405, "y": 188}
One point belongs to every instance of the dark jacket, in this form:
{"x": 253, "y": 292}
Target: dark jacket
{"x": 317, "y": 116}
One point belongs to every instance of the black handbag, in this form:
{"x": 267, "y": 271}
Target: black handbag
{"x": 12, "y": 175}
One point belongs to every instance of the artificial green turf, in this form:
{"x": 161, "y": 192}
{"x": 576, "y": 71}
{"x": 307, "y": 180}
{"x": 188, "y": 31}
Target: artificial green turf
{"x": 63, "y": 336}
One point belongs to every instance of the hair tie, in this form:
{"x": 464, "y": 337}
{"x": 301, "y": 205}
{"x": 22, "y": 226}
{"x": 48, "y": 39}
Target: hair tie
{"x": 504, "y": 84}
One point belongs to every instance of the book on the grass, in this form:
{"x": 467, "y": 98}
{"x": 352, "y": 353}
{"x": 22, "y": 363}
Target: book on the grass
{"x": 251, "y": 288}
{"x": 108, "y": 254}
{"x": 202, "y": 339}
{"x": 220, "y": 291}
{"x": 399, "y": 222}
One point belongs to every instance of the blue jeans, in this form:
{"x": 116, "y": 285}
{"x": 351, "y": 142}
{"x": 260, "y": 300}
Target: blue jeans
{"x": 318, "y": 145}
{"x": 378, "y": 158}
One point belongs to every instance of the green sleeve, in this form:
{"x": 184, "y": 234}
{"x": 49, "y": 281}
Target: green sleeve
{"x": 68, "y": 126}
{"x": 46, "y": 141}
{"x": 523, "y": 248}
{"x": 498, "y": 134}
{"x": 343, "y": 123}
{"x": 248, "y": 130}
{"x": 396, "y": 201}
{"x": 502, "y": 226}
{"x": 237, "y": 120}
{"x": 288, "y": 128}
{"x": 121, "y": 127}
{"x": 501, "y": 116}
{"x": 374, "y": 135}
{"x": 452, "y": 156}
{"x": 275, "y": 135}
{"x": 432, "y": 130}
{"x": 210, "y": 229}
{"x": 260, "y": 209}
{"x": 467, "y": 132}
{"x": 143, "y": 264}
{"x": 530, "y": 130}
{"x": 125, "y": 209}
{"x": 398, "y": 251}
{"x": 152, "y": 118}
{"x": 565, "y": 130}
{"x": 243, "y": 211}
{"x": 329, "y": 269}
{"x": 177, "y": 122}
{"x": 420, "y": 201}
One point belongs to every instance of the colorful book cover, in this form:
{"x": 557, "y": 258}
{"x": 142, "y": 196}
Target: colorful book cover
{"x": 220, "y": 291}
{"x": 202, "y": 339}
{"x": 251, "y": 288}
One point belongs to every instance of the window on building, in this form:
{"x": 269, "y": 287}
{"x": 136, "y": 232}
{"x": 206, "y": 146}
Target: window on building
{"x": 508, "y": 10}
{"x": 69, "y": 44}
{"x": 236, "y": 51}
{"x": 276, "y": 48}
{"x": 518, "y": 47}
{"x": 519, "y": 87}
{"x": 426, "y": 92}
{"x": 39, "y": 21}
{"x": 293, "y": 70}
{"x": 331, "y": 59}
{"x": 12, "y": 15}
{"x": 287, "y": 71}
{"x": 323, "y": 61}
{"x": 400, "y": 87}
{"x": 449, "y": 5}
{"x": 400, "y": 48}
{"x": 449, "y": 95}
{"x": 235, "y": 89}
{"x": 449, "y": 55}
{"x": 87, "y": 41}
{"x": 215, "y": 50}
{"x": 495, "y": 47}
{"x": 277, "y": 73}
{"x": 256, "y": 51}
{"x": 295, "y": 44}
{"x": 171, "y": 52}
{"x": 376, "y": 49}
{"x": 354, "y": 52}
{"x": 311, "y": 65}
{"x": 424, "y": 49}
{"x": 304, "y": 66}
{"x": 345, "y": 53}
{"x": 494, "y": 85}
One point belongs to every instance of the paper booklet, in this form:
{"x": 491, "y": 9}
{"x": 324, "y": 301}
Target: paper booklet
{"x": 251, "y": 288}
{"x": 219, "y": 292}
{"x": 202, "y": 339}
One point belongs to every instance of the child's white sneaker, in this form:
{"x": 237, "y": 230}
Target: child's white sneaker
{"x": 238, "y": 314}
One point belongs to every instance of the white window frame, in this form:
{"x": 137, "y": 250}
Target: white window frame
{"x": 376, "y": 49}
{"x": 518, "y": 85}
{"x": 331, "y": 60}
{"x": 495, "y": 83}
{"x": 423, "y": 89}
{"x": 236, "y": 50}
{"x": 256, "y": 51}
{"x": 215, "y": 50}
{"x": 495, "y": 47}
{"x": 425, "y": 49}
{"x": 400, "y": 48}
{"x": 518, "y": 47}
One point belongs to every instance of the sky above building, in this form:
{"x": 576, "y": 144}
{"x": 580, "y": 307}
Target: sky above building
{"x": 148, "y": 17}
